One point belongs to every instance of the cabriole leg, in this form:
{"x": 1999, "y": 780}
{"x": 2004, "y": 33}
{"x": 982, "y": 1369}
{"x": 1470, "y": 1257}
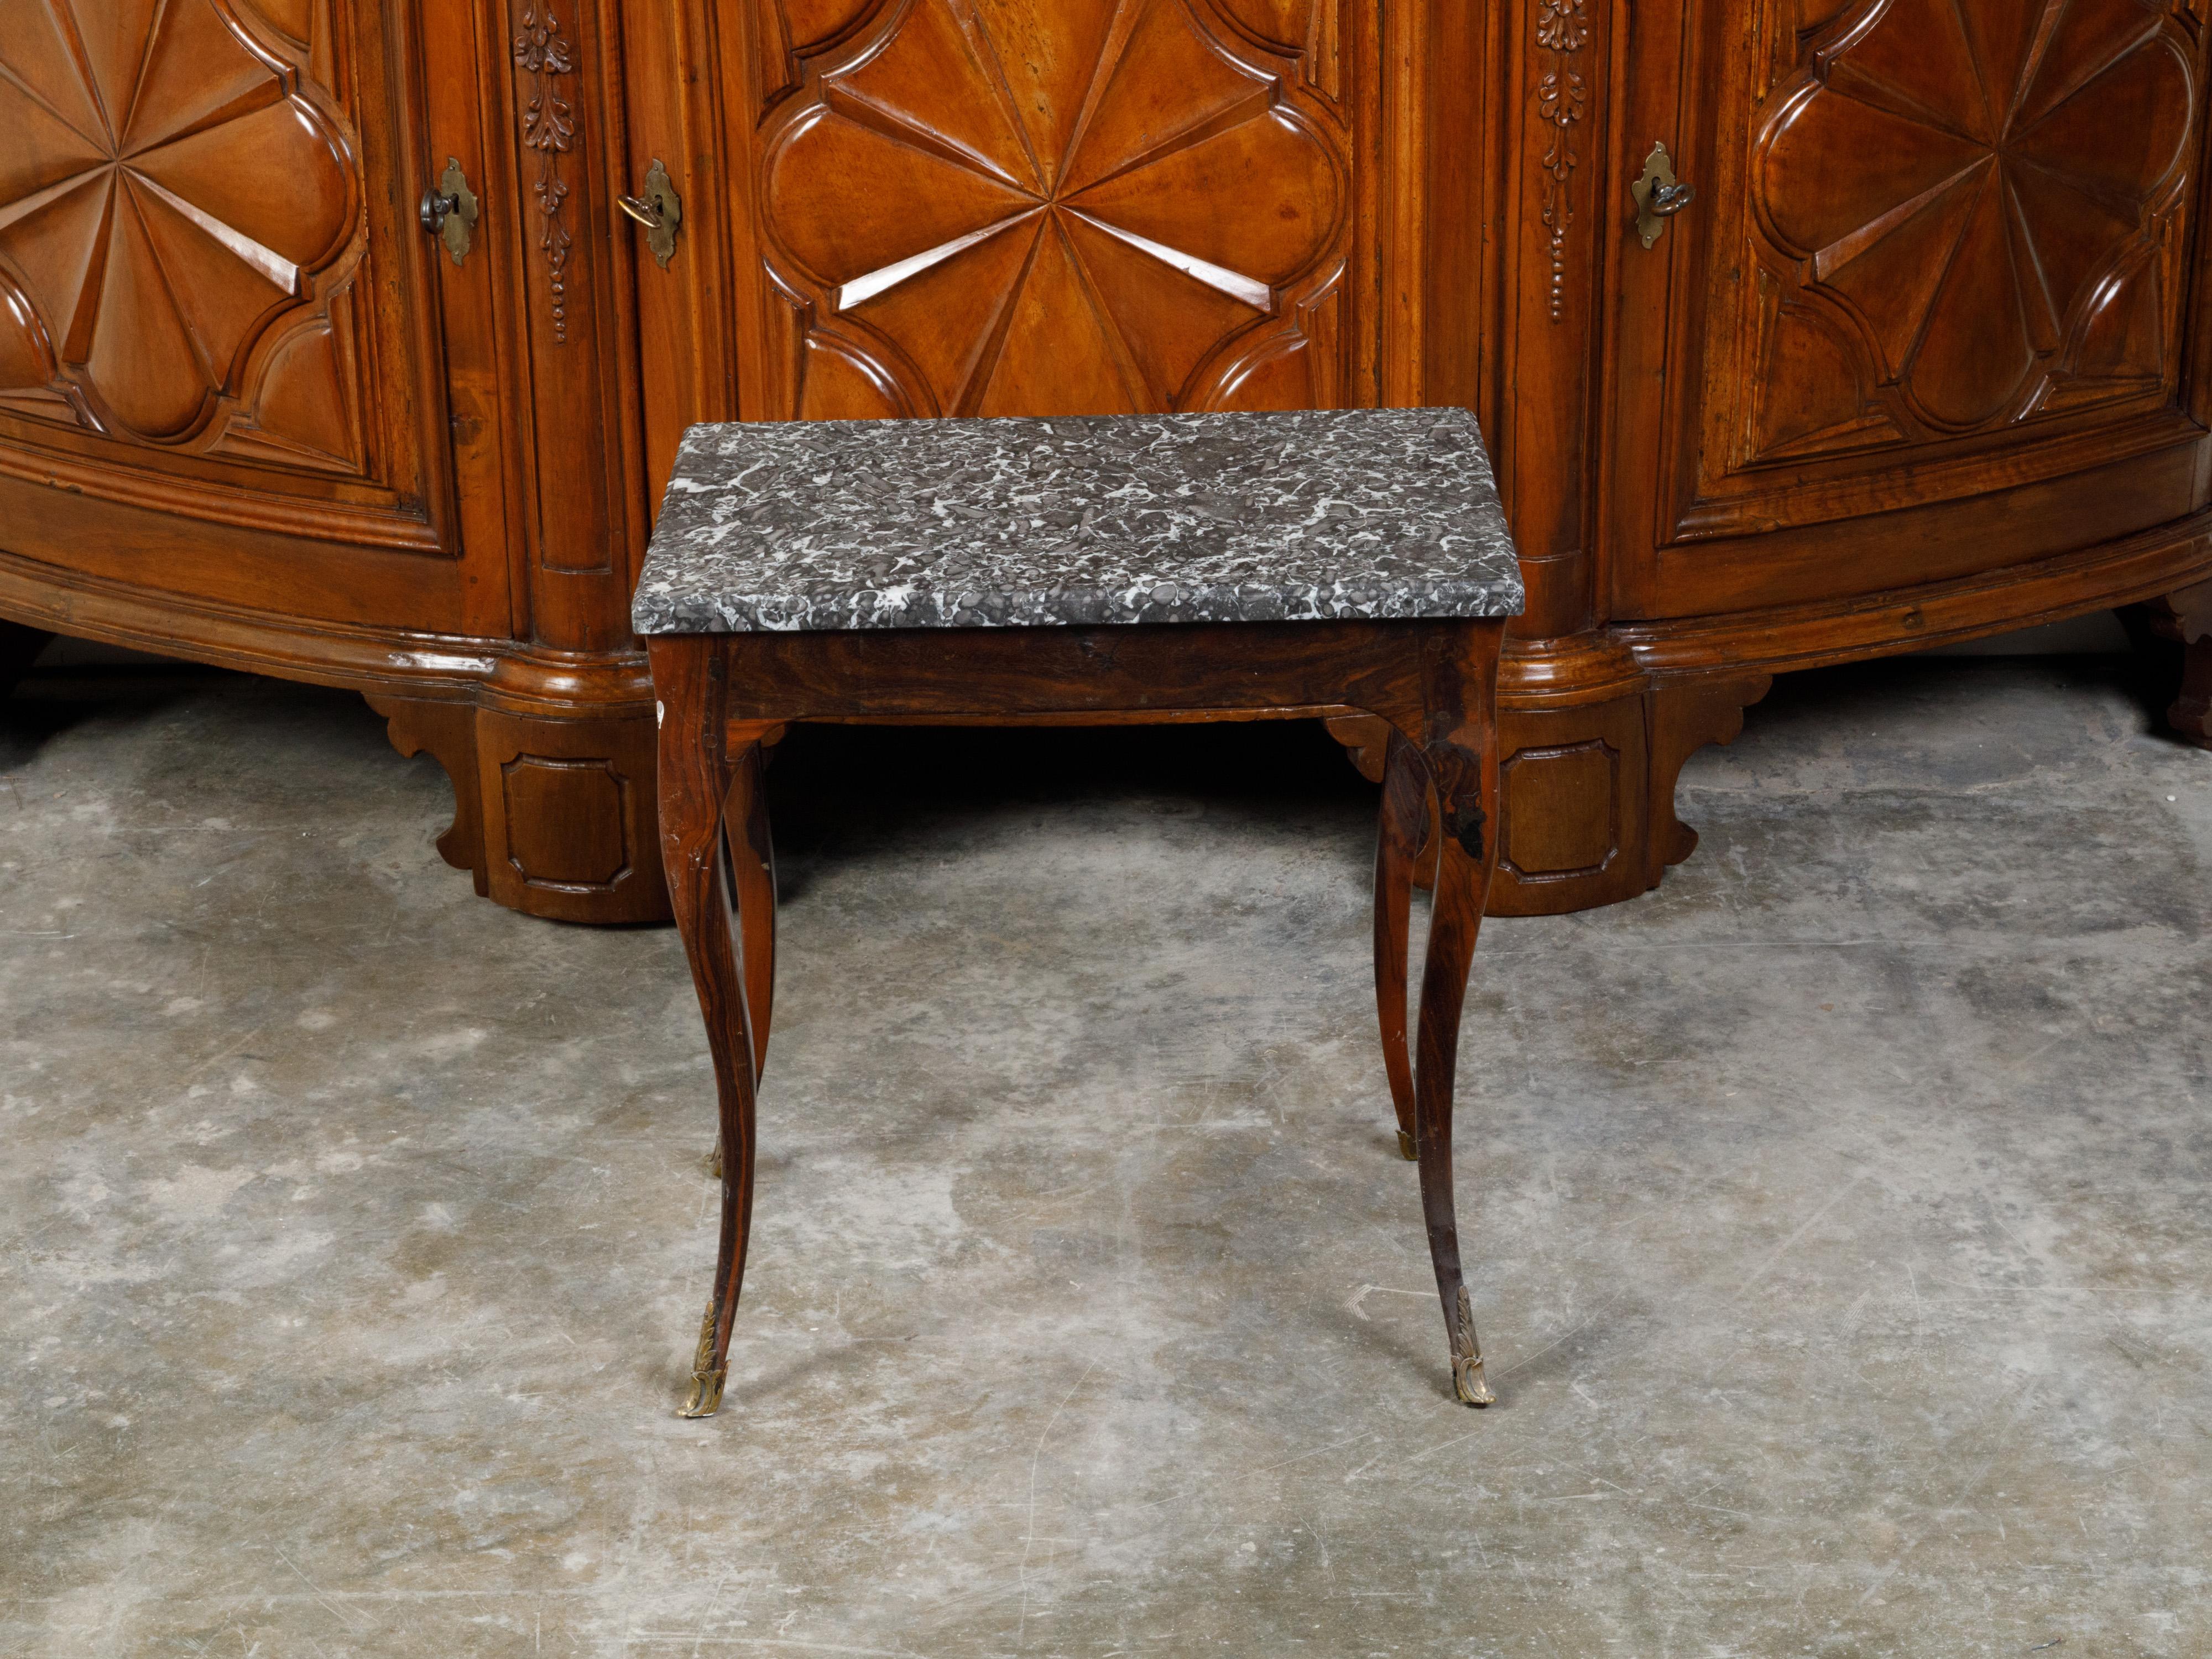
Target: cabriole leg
{"x": 1404, "y": 827}
{"x": 1462, "y": 882}
{"x": 1461, "y": 760}
{"x": 696, "y": 775}
{"x": 752, "y": 865}
{"x": 752, "y": 874}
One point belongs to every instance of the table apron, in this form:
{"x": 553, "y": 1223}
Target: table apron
{"x": 1059, "y": 675}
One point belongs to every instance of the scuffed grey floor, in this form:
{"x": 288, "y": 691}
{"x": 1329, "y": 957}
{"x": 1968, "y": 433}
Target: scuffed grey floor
{"x": 1840, "y": 1211}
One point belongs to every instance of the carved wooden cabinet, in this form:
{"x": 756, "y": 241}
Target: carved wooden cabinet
{"x": 251, "y": 413}
{"x": 1925, "y": 358}
{"x": 1911, "y": 348}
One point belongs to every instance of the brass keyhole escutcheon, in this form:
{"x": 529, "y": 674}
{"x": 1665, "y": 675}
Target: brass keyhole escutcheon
{"x": 659, "y": 210}
{"x": 450, "y": 210}
{"x": 1659, "y": 195}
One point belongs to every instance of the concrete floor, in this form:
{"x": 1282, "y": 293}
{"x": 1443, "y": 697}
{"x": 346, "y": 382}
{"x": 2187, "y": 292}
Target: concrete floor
{"x": 1839, "y": 1212}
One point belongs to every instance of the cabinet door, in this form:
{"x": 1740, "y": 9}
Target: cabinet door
{"x": 988, "y": 207}
{"x": 1932, "y": 312}
{"x": 225, "y": 348}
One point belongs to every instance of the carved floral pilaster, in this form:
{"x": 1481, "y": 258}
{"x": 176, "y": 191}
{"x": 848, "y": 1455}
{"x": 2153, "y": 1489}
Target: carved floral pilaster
{"x": 1562, "y": 95}
{"x": 547, "y": 56}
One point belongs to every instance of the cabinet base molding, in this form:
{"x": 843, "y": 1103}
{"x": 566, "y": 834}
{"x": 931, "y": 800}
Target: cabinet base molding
{"x": 553, "y": 810}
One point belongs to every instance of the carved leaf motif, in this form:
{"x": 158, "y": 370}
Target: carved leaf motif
{"x": 549, "y": 126}
{"x": 540, "y": 47}
{"x": 1560, "y": 96}
{"x": 164, "y": 196}
{"x": 1967, "y": 182}
{"x": 1561, "y": 26}
{"x": 1562, "y": 30}
{"x": 1093, "y": 196}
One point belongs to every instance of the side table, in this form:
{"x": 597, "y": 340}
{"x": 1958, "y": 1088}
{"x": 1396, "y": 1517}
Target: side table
{"x": 1086, "y": 571}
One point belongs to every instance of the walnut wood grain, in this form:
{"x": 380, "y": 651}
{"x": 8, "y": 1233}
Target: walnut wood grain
{"x": 1401, "y": 837}
{"x": 249, "y": 413}
{"x": 1104, "y": 209}
{"x": 752, "y": 875}
{"x": 1366, "y": 741}
{"x": 696, "y": 769}
{"x": 1925, "y": 318}
{"x": 1459, "y": 755}
{"x": 155, "y": 238}
{"x": 1962, "y": 218}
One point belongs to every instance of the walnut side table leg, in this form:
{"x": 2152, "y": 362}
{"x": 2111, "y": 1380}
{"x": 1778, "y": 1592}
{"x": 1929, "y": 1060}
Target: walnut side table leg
{"x": 1457, "y": 761}
{"x": 700, "y": 778}
{"x": 752, "y": 876}
{"x": 1434, "y": 681}
{"x": 1401, "y": 838}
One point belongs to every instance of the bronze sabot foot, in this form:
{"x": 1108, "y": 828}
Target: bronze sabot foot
{"x": 1467, "y": 1380}
{"x": 707, "y": 1378}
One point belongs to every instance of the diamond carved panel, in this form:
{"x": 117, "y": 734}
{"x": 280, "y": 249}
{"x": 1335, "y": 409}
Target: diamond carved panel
{"x": 1966, "y": 214}
{"x": 1090, "y": 206}
{"x": 172, "y": 184}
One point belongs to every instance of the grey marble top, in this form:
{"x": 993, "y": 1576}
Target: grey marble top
{"x": 1313, "y": 516}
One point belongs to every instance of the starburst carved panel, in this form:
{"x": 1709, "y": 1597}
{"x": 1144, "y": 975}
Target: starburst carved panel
{"x": 1098, "y": 206}
{"x": 172, "y": 185}
{"x": 1965, "y": 214}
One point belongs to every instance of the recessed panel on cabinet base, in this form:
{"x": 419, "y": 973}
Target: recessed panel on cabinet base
{"x": 553, "y": 810}
{"x": 553, "y": 813}
{"x": 568, "y": 816}
{"x": 1573, "y": 807}
{"x": 1588, "y": 790}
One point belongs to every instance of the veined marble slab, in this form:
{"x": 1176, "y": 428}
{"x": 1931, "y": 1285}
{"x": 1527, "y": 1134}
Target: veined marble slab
{"x": 1316, "y": 515}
